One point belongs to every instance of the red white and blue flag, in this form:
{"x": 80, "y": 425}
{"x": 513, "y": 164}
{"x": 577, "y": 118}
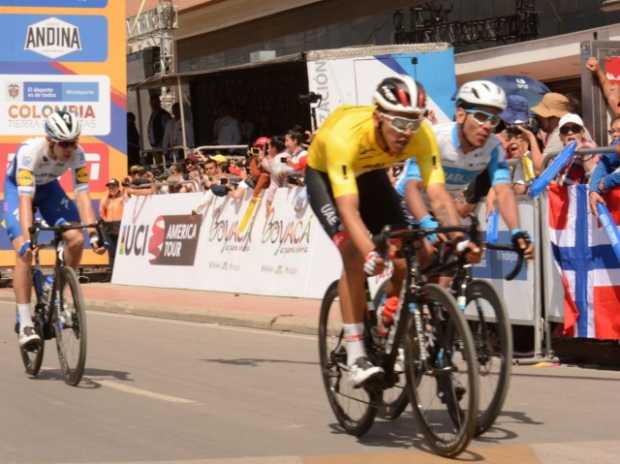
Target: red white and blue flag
{"x": 589, "y": 269}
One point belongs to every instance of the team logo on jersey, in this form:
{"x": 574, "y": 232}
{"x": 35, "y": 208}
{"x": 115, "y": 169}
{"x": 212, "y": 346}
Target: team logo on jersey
{"x": 81, "y": 174}
{"x": 13, "y": 90}
{"x": 24, "y": 178}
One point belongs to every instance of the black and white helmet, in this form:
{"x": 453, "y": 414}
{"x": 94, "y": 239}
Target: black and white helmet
{"x": 401, "y": 94}
{"x": 482, "y": 93}
{"x": 62, "y": 126}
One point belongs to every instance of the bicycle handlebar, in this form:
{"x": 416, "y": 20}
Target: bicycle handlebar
{"x": 520, "y": 257}
{"x": 59, "y": 228}
{"x": 471, "y": 231}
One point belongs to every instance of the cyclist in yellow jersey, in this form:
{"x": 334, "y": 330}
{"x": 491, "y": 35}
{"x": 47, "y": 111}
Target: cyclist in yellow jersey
{"x": 351, "y": 195}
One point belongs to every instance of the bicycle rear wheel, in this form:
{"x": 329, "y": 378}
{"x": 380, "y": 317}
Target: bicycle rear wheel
{"x": 33, "y": 358}
{"x": 69, "y": 320}
{"x": 442, "y": 372}
{"x": 492, "y": 334}
{"x": 395, "y": 399}
{"x": 355, "y": 408}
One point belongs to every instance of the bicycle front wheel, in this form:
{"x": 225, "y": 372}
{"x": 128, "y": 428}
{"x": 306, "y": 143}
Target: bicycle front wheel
{"x": 69, "y": 321}
{"x": 490, "y": 327}
{"x": 354, "y": 408}
{"x": 442, "y": 372}
{"x": 33, "y": 357}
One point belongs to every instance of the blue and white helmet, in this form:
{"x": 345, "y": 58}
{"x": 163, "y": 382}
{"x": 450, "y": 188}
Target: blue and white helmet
{"x": 62, "y": 126}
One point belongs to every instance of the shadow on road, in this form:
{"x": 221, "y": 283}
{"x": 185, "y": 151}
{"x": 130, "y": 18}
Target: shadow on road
{"x": 87, "y": 382}
{"x": 401, "y": 434}
{"x": 255, "y": 362}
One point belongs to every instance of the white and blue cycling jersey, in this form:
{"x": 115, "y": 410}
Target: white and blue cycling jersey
{"x": 33, "y": 173}
{"x": 460, "y": 168}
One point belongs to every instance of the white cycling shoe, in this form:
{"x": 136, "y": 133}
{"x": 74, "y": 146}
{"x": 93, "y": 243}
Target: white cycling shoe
{"x": 28, "y": 337}
{"x": 362, "y": 371}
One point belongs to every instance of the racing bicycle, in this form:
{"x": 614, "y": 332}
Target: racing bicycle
{"x": 489, "y": 324}
{"x": 59, "y": 311}
{"x": 430, "y": 343}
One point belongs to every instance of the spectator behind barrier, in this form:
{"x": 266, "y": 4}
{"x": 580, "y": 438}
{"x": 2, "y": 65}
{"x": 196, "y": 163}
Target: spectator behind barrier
{"x": 548, "y": 113}
{"x": 606, "y": 174}
{"x": 571, "y": 129}
{"x": 610, "y": 90}
{"x": 257, "y": 178}
{"x": 520, "y": 142}
{"x": 276, "y": 164}
{"x": 111, "y": 213}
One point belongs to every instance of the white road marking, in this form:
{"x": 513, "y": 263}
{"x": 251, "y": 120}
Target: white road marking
{"x": 140, "y": 392}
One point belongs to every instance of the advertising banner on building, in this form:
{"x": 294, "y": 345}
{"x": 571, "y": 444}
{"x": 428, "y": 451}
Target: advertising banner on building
{"x": 350, "y": 76}
{"x": 195, "y": 241}
{"x": 64, "y": 54}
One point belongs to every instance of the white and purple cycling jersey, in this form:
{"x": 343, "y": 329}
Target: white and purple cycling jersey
{"x": 460, "y": 168}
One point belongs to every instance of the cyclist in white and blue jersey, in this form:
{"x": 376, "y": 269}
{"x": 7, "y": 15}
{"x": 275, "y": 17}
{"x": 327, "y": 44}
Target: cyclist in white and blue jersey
{"x": 470, "y": 152}
{"x": 32, "y": 183}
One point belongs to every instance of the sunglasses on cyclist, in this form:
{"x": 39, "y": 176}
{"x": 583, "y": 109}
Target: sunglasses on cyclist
{"x": 402, "y": 125}
{"x": 568, "y": 128}
{"x": 482, "y": 117}
{"x": 64, "y": 144}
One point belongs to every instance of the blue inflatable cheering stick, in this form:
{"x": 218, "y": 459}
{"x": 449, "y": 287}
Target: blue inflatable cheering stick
{"x": 610, "y": 227}
{"x": 559, "y": 162}
{"x": 492, "y": 227}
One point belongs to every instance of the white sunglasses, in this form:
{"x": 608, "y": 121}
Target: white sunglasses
{"x": 401, "y": 124}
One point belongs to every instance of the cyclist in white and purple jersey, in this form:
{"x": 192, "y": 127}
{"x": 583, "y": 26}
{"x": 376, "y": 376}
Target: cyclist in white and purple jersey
{"x": 471, "y": 154}
{"x": 32, "y": 183}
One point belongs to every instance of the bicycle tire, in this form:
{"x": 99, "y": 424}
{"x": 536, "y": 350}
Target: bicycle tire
{"x": 32, "y": 359}
{"x": 487, "y": 346}
{"x": 393, "y": 406}
{"x": 334, "y": 377}
{"x": 72, "y": 373}
{"x": 449, "y": 326}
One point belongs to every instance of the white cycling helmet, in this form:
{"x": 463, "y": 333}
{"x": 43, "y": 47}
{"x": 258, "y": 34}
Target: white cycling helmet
{"x": 62, "y": 126}
{"x": 482, "y": 93}
{"x": 401, "y": 94}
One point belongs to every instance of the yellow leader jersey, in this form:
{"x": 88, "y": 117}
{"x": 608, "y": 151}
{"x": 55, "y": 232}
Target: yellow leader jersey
{"x": 345, "y": 147}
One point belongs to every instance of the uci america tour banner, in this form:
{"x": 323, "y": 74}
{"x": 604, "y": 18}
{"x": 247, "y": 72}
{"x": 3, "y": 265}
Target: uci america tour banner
{"x": 64, "y": 54}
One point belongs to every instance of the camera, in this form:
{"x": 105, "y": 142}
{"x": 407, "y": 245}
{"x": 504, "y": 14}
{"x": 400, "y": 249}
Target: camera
{"x": 311, "y": 97}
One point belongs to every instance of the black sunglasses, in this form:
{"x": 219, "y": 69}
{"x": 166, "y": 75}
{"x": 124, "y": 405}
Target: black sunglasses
{"x": 568, "y": 128}
{"x": 64, "y": 144}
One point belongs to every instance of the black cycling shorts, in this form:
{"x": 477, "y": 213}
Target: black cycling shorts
{"x": 379, "y": 203}
{"x": 478, "y": 188}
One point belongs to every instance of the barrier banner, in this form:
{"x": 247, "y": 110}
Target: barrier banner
{"x": 589, "y": 271}
{"x": 519, "y": 295}
{"x": 194, "y": 241}
{"x": 71, "y": 55}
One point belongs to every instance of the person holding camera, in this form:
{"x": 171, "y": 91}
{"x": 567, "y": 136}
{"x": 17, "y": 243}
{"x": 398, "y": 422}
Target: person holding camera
{"x": 276, "y": 164}
{"x": 257, "y": 178}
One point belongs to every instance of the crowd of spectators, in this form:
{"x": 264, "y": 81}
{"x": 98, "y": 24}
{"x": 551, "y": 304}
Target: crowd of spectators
{"x": 531, "y": 136}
